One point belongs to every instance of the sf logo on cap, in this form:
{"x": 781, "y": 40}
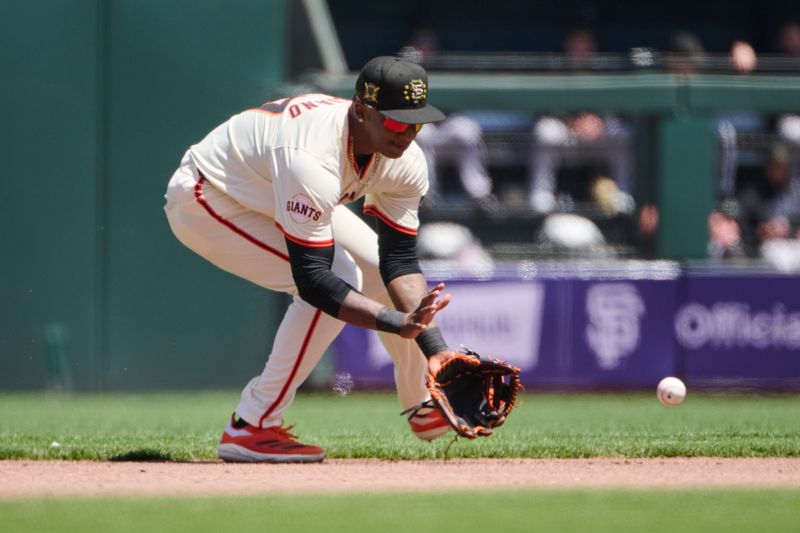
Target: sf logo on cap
{"x": 415, "y": 90}
{"x": 371, "y": 92}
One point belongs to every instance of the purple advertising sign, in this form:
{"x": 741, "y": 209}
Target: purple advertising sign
{"x": 579, "y": 329}
{"x": 740, "y": 328}
{"x": 606, "y": 332}
{"x": 561, "y": 332}
{"x": 502, "y": 318}
{"x": 622, "y": 334}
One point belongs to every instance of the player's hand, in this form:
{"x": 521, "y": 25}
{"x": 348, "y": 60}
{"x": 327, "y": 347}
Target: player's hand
{"x": 436, "y": 360}
{"x": 417, "y": 321}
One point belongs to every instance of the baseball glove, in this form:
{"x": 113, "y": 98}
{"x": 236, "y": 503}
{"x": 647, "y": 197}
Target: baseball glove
{"x": 473, "y": 394}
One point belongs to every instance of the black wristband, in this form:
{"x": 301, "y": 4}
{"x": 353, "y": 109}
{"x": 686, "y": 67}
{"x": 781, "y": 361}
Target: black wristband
{"x": 431, "y": 342}
{"x": 390, "y": 320}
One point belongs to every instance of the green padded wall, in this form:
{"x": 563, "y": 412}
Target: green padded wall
{"x": 48, "y": 130}
{"x": 687, "y": 158}
{"x": 175, "y": 70}
{"x": 101, "y": 99}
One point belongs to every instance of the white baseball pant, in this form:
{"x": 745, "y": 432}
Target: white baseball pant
{"x": 248, "y": 244}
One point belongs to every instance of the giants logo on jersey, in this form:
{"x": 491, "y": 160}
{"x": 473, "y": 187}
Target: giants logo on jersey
{"x": 301, "y": 209}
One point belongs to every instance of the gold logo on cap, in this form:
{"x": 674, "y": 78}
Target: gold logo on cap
{"x": 371, "y": 92}
{"x": 415, "y": 91}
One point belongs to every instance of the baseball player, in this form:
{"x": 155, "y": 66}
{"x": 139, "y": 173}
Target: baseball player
{"x": 263, "y": 196}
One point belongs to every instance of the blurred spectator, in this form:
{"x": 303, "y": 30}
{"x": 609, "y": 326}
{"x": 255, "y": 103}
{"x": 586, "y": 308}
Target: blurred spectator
{"x": 647, "y": 226}
{"x": 789, "y": 39}
{"x": 457, "y": 141}
{"x": 580, "y": 48}
{"x": 579, "y": 139}
{"x": 729, "y": 125}
{"x": 454, "y": 245}
{"x": 788, "y": 130}
{"x": 724, "y": 242}
{"x": 788, "y": 125}
{"x": 725, "y": 239}
{"x": 778, "y": 233}
{"x": 572, "y": 235}
{"x": 687, "y": 56}
{"x": 743, "y": 57}
{"x": 769, "y": 208}
{"x": 421, "y": 45}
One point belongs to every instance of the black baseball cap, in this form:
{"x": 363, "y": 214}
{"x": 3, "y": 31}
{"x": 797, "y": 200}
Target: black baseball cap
{"x": 398, "y": 89}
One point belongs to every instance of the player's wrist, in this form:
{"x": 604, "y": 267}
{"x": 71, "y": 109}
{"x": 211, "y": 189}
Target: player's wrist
{"x": 390, "y": 320}
{"x": 431, "y": 341}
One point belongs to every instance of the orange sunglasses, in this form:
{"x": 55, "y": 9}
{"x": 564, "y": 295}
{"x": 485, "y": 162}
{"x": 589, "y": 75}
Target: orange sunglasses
{"x": 392, "y": 124}
{"x": 399, "y": 127}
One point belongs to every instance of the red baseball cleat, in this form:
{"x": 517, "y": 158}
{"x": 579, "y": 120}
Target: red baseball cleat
{"x": 250, "y": 444}
{"x": 428, "y": 424}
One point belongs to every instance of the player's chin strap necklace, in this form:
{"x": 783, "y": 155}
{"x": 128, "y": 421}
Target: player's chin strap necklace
{"x": 361, "y": 167}
{"x": 361, "y": 164}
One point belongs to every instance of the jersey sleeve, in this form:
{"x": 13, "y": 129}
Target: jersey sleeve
{"x": 397, "y": 201}
{"x": 305, "y": 195}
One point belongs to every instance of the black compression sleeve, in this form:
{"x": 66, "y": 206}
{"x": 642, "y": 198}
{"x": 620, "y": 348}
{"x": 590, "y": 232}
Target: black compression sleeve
{"x": 316, "y": 284}
{"x": 397, "y": 251}
{"x": 431, "y": 342}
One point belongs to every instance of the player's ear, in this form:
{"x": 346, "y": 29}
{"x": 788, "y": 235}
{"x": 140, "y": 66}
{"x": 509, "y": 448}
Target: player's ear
{"x": 359, "y": 110}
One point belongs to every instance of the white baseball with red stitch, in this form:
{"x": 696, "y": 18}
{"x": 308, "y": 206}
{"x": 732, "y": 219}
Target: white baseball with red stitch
{"x": 671, "y": 391}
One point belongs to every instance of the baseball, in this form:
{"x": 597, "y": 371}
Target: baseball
{"x": 671, "y": 391}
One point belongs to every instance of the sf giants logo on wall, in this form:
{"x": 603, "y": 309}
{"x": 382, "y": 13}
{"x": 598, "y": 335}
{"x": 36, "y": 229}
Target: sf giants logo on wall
{"x": 301, "y": 209}
{"x": 614, "y": 311}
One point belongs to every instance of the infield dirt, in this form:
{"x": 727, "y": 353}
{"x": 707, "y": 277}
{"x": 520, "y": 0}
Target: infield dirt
{"x": 24, "y": 479}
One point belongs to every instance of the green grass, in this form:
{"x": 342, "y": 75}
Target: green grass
{"x": 596, "y": 511}
{"x": 187, "y": 427}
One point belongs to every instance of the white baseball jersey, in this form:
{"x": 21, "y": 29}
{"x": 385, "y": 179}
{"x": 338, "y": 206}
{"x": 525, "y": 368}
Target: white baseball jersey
{"x": 292, "y": 160}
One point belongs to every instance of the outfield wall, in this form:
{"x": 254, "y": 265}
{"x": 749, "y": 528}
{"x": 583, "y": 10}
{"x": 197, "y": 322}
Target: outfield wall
{"x": 100, "y": 101}
{"x": 616, "y": 326}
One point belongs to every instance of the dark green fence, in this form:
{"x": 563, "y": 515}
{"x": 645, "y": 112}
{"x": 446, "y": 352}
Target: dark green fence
{"x": 100, "y": 100}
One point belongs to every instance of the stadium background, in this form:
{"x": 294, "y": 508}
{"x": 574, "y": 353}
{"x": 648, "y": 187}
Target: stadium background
{"x": 101, "y": 99}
